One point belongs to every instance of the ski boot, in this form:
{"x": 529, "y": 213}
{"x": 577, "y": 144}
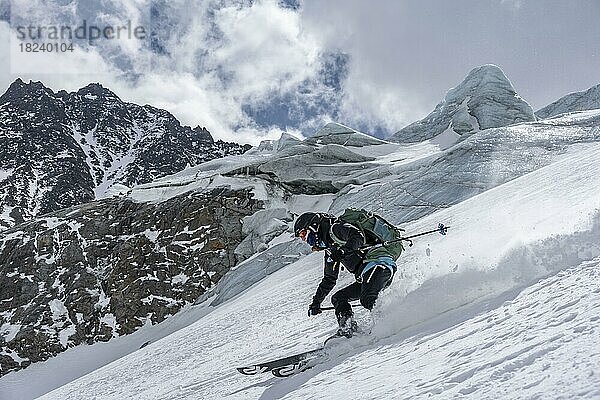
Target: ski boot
{"x": 348, "y": 326}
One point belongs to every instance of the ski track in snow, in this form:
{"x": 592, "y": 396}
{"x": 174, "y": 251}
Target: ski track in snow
{"x": 536, "y": 344}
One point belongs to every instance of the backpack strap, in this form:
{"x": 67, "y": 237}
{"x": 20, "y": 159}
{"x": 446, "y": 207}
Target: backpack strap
{"x": 337, "y": 240}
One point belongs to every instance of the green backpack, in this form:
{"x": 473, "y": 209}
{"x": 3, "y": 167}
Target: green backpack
{"x": 377, "y": 231}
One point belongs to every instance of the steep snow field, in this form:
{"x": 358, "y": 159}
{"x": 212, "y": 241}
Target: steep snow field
{"x": 505, "y": 306}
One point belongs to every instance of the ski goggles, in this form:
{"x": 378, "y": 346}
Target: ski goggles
{"x": 308, "y": 235}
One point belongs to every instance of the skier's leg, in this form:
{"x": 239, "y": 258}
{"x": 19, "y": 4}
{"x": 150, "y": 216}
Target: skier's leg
{"x": 341, "y": 299}
{"x": 343, "y": 310}
{"x": 374, "y": 281}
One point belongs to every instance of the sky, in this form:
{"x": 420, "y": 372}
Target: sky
{"x": 248, "y": 70}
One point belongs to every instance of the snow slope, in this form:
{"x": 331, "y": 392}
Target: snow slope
{"x": 505, "y": 306}
{"x": 405, "y": 190}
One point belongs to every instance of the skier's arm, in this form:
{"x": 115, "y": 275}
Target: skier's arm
{"x": 330, "y": 275}
{"x": 353, "y": 239}
{"x": 351, "y": 235}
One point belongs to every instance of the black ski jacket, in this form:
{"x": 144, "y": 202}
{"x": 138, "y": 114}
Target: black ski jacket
{"x": 342, "y": 242}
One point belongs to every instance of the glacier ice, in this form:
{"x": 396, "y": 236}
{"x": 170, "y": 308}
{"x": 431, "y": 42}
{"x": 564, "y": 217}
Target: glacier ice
{"x": 484, "y": 99}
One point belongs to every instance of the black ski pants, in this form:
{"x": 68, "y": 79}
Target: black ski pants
{"x": 366, "y": 291}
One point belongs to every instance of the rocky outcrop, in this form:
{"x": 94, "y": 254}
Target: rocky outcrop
{"x": 62, "y": 149}
{"x": 578, "y": 101}
{"x": 484, "y": 99}
{"x": 106, "y": 268}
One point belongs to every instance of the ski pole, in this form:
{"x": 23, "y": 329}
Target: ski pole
{"x": 441, "y": 229}
{"x": 333, "y": 308}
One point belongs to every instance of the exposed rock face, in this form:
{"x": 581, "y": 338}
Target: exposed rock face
{"x": 106, "y": 268}
{"x": 62, "y": 149}
{"x": 44, "y": 167}
{"x": 484, "y": 99}
{"x": 578, "y": 101}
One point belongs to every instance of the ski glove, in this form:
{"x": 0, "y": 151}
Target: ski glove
{"x": 336, "y": 254}
{"x": 314, "y": 309}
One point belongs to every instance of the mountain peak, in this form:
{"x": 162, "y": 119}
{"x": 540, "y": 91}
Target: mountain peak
{"x": 333, "y": 128}
{"x": 95, "y": 90}
{"x": 286, "y": 140}
{"x": 484, "y": 99}
{"x": 202, "y": 134}
{"x": 490, "y": 70}
{"x": 578, "y": 101}
{"x": 488, "y": 75}
{"x": 19, "y": 89}
{"x": 75, "y": 146}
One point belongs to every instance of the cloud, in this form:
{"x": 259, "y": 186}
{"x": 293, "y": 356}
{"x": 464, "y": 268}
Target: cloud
{"x": 375, "y": 106}
{"x": 247, "y": 69}
{"x": 405, "y": 55}
{"x": 207, "y": 62}
{"x": 264, "y": 49}
{"x": 376, "y": 98}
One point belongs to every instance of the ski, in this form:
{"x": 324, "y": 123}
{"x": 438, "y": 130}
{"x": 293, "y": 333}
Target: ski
{"x": 282, "y": 365}
{"x": 335, "y": 336}
{"x": 293, "y": 369}
{"x": 288, "y": 366}
{"x": 308, "y": 362}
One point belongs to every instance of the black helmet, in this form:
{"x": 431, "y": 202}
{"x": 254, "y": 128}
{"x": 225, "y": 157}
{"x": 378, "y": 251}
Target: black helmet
{"x": 306, "y": 221}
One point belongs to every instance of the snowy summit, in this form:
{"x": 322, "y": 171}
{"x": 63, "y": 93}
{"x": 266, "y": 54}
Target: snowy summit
{"x": 484, "y": 99}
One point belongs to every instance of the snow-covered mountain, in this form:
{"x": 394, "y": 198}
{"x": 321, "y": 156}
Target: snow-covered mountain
{"x": 577, "y": 101}
{"x": 503, "y": 308}
{"x": 484, "y": 99}
{"x": 482, "y": 312}
{"x": 61, "y": 149}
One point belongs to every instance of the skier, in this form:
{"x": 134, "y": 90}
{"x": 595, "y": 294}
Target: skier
{"x": 344, "y": 240}
{"x": 366, "y": 245}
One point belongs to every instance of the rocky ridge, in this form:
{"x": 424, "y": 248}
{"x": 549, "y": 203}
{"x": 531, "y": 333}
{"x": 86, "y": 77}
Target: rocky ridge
{"x": 61, "y": 149}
